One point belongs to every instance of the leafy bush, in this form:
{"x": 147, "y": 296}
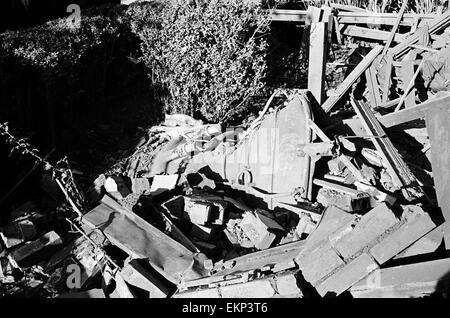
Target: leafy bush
{"x": 208, "y": 57}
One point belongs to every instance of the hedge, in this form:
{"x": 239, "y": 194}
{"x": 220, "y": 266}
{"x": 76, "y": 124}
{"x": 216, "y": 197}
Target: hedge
{"x": 208, "y": 57}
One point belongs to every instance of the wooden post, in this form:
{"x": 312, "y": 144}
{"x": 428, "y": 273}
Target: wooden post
{"x": 318, "y": 47}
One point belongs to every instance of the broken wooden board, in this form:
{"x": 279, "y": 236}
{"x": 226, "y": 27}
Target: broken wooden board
{"x": 298, "y": 16}
{"x": 318, "y": 48}
{"x": 374, "y": 18}
{"x": 413, "y": 113}
{"x": 397, "y": 168}
{"x": 437, "y": 24}
{"x": 139, "y": 239}
{"x": 414, "y": 280}
{"x": 371, "y": 34}
{"x": 438, "y": 127}
{"x": 351, "y": 78}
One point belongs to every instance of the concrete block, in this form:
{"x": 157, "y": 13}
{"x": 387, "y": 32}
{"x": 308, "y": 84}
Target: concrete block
{"x": 287, "y": 285}
{"x": 344, "y": 201}
{"x": 318, "y": 263}
{"x": 352, "y": 238}
{"x": 350, "y": 274}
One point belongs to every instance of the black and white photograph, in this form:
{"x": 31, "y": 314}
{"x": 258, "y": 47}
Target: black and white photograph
{"x": 224, "y": 156}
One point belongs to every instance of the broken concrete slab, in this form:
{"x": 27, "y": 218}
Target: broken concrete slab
{"x": 355, "y": 236}
{"x": 415, "y": 226}
{"x": 348, "y": 275}
{"x": 136, "y": 275}
{"x": 92, "y": 293}
{"x": 46, "y": 240}
{"x": 413, "y": 280}
{"x": 318, "y": 263}
{"x": 425, "y": 245}
{"x": 16, "y": 233}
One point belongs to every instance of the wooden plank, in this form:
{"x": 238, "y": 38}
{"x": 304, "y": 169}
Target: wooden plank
{"x": 372, "y": 87}
{"x": 387, "y": 78}
{"x": 351, "y": 78}
{"x": 298, "y": 16}
{"x": 374, "y": 18}
{"x": 371, "y": 34}
{"x": 409, "y": 232}
{"x": 414, "y": 280}
{"x": 407, "y": 70}
{"x": 413, "y": 113}
{"x": 395, "y": 27}
{"x": 410, "y": 87}
{"x": 439, "y": 23}
{"x": 438, "y": 127}
{"x": 318, "y": 48}
{"x": 350, "y": 8}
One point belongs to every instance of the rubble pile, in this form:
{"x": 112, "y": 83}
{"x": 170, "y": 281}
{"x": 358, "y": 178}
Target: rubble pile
{"x": 313, "y": 198}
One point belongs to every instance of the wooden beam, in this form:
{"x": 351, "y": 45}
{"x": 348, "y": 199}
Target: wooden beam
{"x": 395, "y": 27}
{"x": 413, "y": 113}
{"x": 298, "y": 16}
{"x": 351, "y": 78}
{"x": 374, "y": 18}
{"x": 318, "y": 48}
{"x": 387, "y": 78}
{"x": 371, "y": 34}
{"x": 407, "y": 71}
